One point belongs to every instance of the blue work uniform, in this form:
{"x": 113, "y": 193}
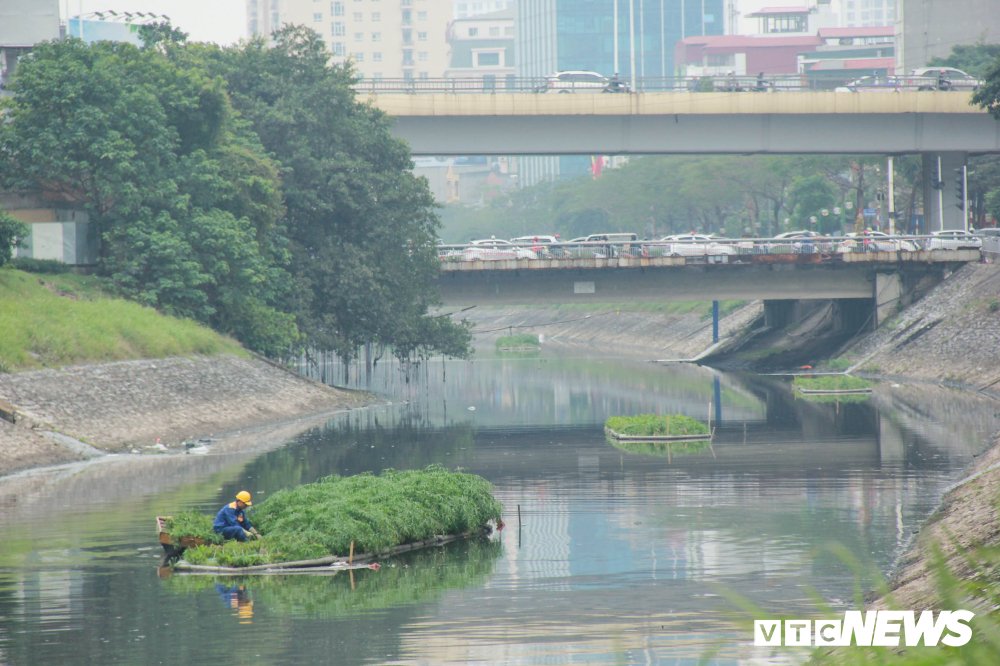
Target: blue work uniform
{"x": 232, "y": 523}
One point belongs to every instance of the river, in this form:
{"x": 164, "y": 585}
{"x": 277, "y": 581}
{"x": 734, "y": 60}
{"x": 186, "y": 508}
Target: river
{"x": 628, "y": 555}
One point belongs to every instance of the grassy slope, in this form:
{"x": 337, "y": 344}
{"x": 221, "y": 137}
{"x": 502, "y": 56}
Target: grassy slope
{"x": 56, "y": 320}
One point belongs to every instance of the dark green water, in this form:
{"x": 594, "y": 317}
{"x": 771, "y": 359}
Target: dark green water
{"x": 618, "y": 556}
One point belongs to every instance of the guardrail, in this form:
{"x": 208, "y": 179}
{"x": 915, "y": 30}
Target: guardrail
{"x": 714, "y": 250}
{"x": 777, "y": 83}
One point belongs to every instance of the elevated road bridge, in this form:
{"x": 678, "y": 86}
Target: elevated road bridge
{"x": 943, "y": 127}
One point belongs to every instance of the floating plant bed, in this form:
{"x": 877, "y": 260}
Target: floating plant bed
{"x": 858, "y": 391}
{"x": 832, "y": 385}
{"x": 656, "y": 428}
{"x": 339, "y": 523}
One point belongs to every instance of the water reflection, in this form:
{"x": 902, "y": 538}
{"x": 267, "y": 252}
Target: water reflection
{"x": 413, "y": 578}
{"x": 608, "y": 554}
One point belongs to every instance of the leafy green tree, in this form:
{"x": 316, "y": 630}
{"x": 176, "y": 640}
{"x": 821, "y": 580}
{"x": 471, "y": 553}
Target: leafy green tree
{"x": 809, "y": 196}
{"x": 362, "y": 227}
{"x": 988, "y": 95}
{"x": 186, "y": 203}
{"x": 975, "y": 59}
{"x": 11, "y": 233}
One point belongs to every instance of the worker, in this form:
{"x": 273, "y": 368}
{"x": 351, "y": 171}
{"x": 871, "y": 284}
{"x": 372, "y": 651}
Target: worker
{"x": 232, "y": 521}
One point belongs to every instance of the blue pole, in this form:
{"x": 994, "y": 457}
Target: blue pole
{"x": 715, "y": 321}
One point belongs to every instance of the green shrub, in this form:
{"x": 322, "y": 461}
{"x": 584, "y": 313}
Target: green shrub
{"x": 44, "y": 266}
{"x": 831, "y": 383}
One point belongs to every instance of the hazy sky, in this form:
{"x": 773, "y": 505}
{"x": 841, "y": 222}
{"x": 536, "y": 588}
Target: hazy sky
{"x": 220, "y": 21}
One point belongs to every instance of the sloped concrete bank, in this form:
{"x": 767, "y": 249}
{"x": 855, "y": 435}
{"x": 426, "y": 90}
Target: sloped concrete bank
{"x": 73, "y": 413}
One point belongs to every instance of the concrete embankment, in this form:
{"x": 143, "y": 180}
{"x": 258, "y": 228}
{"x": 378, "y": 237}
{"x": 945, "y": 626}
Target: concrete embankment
{"x": 72, "y": 413}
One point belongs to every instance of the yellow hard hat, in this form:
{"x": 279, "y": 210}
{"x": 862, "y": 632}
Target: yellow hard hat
{"x": 244, "y": 497}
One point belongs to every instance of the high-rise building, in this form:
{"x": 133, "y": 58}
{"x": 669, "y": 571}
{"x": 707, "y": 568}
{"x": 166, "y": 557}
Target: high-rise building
{"x": 635, "y": 38}
{"x": 402, "y": 39}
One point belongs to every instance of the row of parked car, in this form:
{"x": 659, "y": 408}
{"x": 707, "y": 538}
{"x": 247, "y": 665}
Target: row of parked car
{"x": 616, "y": 244}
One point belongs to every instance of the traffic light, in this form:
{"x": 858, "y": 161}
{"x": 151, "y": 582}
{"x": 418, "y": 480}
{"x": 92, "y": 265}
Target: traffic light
{"x": 960, "y": 196}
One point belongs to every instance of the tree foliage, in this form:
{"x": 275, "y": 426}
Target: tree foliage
{"x": 11, "y": 233}
{"x": 243, "y": 187}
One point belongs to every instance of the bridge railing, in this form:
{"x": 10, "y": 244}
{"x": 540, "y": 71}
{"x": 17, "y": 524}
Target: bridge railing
{"x": 720, "y": 249}
{"x": 776, "y": 83}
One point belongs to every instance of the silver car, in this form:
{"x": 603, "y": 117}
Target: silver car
{"x": 954, "y": 239}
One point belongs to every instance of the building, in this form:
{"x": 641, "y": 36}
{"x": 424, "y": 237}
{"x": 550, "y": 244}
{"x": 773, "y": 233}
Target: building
{"x": 632, "y": 37}
{"x": 395, "y": 39}
{"x": 24, "y": 23}
{"x": 848, "y": 53}
{"x": 482, "y": 49}
{"x": 468, "y": 8}
{"x": 927, "y": 29}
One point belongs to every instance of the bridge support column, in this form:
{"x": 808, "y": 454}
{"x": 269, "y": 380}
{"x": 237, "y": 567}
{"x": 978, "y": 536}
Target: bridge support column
{"x": 888, "y": 292}
{"x": 940, "y": 193}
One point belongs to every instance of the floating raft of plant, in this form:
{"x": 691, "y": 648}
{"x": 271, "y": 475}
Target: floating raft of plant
{"x": 340, "y": 523}
{"x": 858, "y": 391}
{"x": 655, "y": 428}
{"x": 832, "y": 385}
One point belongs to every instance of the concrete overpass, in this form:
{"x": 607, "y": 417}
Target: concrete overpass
{"x": 935, "y": 124}
{"x": 880, "y": 282}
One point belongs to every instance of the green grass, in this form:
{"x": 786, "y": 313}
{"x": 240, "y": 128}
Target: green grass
{"x": 64, "y": 319}
{"x": 375, "y": 512}
{"x": 653, "y": 424}
{"x": 839, "y": 363}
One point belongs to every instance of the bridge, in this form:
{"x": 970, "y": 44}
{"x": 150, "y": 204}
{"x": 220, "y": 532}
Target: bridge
{"x": 880, "y": 276}
{"x": 941, "y": 126}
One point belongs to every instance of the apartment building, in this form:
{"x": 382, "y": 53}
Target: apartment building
{"x": 391, "y": 39}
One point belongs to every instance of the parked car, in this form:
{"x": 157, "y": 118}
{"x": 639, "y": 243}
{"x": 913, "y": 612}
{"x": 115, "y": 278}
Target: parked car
{"x": 942, "y": 78}
{"x": 542, "y": 245}
{"x": 873, "y": 84}
{"x": 876, "y": 241}
{"x": 576, "y": 81}
{"x": 495, "y": 249}
{"x": 602, "y": 246}
{"x": 689, "y": 245}
{"x": 953, "y": 239}
{"x": 802, "y": 241}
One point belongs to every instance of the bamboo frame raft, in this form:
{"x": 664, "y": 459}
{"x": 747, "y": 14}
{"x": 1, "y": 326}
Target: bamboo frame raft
{"x": 856, "y": 391}
{"x": 330, "y": 564}
{"x": 703, "y": 437}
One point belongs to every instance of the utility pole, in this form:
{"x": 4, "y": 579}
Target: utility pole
{"x": 891, "y": 198}
{"x": 940, "y": 189}
{"x": 631, "y": 42}
{"x": 614, "y": 22}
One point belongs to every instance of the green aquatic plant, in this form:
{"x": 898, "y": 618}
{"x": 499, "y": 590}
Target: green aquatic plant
{"x": 374, "y": 512}
{"x": 192, "y": 524}
{"x": 657, "y": 425}
{"x": 518, "y": 341}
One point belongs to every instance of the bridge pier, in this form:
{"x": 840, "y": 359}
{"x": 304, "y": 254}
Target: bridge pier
{"x": 941, "y": 191}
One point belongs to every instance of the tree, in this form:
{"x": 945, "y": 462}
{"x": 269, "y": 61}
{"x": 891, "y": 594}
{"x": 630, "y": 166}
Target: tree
{"x": 11, "y": 233}
{"x": 809, "y": 197}
{"x": 186, "y": 203}
{"x": 362, "y": 227}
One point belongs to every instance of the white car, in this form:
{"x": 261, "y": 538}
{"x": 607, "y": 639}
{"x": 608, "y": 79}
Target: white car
{"x": 876, "y": 241}
{"x": 495, "y": 249}
{"x": 690, "y": 245}
{"x": 576, "y": 81}
{"x": 942, "y": 78}
{"x": 953, "y": 239}
{"x": 873, "y": 84}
